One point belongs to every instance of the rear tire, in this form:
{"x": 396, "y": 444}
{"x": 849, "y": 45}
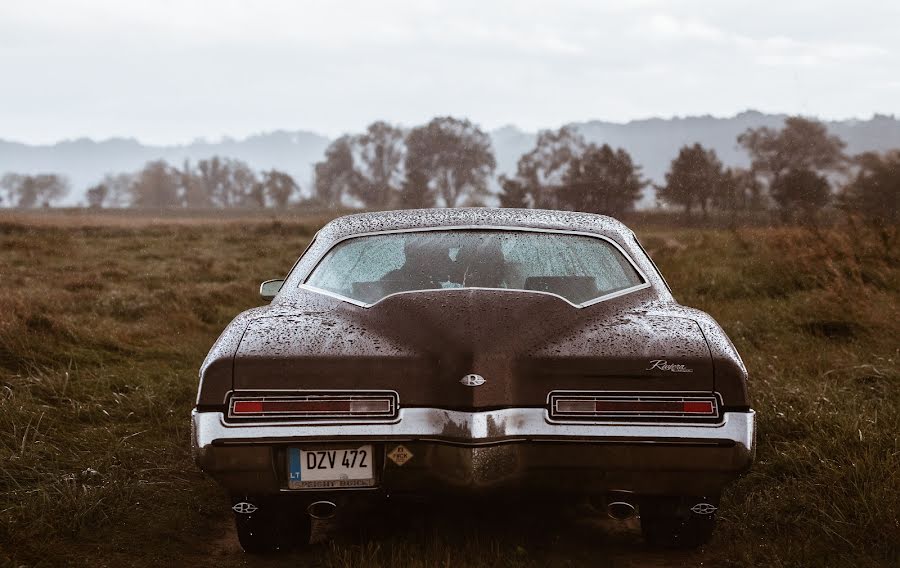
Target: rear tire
{"x": 271, "y": 527}
{"x": 684, "y": 523}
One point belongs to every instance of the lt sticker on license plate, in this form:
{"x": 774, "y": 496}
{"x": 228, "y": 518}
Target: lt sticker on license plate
{"x": 330, "y": 469}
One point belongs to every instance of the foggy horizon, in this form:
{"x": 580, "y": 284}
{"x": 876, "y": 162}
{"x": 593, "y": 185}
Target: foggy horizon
{"x": 218, "y": 139}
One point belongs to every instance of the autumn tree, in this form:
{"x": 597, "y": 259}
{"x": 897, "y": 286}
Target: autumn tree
{"x": 804, "y": 150}
{"x": 693, "y": 179}
{"x": 874, "y": 190}
{"x": 802, "y": 144}
{"x": 514, "y": 193}
{"x": 739, "y": 190}
{"x": 455, "y": 158}
{"x": 335, "y": 176}
{"x": 195, "y": 190}
{"x": 118, "y": 188}
{"x": 278, "y": 187}
{"x": 378, "y": 160}
{"x": 800, "y": 191}
{"x": 157, "y": 185}
{"x": 543, "y": 169}
{"x": 12, "y": 184}
{"x": 226, "y": 181}
{"x": 96, "y": 195}
{"x": 415, "y": 193}
{"x": 33, "y": 190}
{"x": 600, "y": 180}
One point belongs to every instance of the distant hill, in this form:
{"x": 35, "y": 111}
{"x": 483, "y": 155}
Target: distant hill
{"x": 85, "y": 161}
{"x": 652, "y": 143}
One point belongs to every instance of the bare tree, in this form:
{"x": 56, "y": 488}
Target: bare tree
{"x": 33, "y": 190}
{"x": 227, "y": 182}
{"x": 514, "y": 193}
{"x": 119, "y": 189}
{"x": 415, "y": 193}
{"x": 157, "y": 185}
{"x": 278, "y": 187}
{"x": 378, "y": 159}
{"x": 194, "y": 191}
{"x": 543, "y": 169}
{"x": 336, "y": 175}
{"x": 10, "y": 184}
{"x": 96, "y": 195}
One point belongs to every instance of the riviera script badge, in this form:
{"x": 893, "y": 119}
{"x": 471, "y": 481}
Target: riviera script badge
{"x": 663, "y": 365}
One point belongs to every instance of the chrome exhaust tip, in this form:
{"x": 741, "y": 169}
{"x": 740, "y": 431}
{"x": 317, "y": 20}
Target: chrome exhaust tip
{"x": 620, "y": 510}
{"x": 321, "y": 510}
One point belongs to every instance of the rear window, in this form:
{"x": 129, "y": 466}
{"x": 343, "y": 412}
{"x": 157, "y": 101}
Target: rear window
{"x": 578, "y": 268}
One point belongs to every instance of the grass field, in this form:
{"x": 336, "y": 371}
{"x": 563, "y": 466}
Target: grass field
{"x": 104, "y": 321}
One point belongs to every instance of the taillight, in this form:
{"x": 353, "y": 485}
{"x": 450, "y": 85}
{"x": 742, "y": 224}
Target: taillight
{"x": 316, "y": 405}
{"x": 587, "y": 405}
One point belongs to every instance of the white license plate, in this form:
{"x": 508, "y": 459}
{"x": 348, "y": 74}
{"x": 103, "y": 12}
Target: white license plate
{"x": 330, "y": 468}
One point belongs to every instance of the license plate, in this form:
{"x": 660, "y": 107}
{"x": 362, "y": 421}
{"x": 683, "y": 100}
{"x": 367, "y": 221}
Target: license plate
{"x": 330, "y": 468}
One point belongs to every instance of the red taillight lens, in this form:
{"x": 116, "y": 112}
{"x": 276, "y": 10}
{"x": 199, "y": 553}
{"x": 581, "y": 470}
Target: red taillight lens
{"x": 699, "y": 407}
{"x": 247, "y": 406}
{"x": 316, "y": 406}
{"x": 578, "y": 405}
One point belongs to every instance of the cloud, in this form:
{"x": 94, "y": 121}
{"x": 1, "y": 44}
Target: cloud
{"x": 763, "y": 50}
{"x": 170, "y": 70}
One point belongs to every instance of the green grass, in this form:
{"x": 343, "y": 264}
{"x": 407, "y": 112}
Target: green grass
{"x": 104, "y": 322}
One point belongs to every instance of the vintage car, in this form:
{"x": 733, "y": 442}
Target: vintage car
{"x": 473, "y": 352}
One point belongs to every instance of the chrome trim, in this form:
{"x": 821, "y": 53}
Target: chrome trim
{"x": 646, "y": 282}
{"x": 330, "y": 507}
{"x": 620, "y": 510}
{"x": 474, "y": 429}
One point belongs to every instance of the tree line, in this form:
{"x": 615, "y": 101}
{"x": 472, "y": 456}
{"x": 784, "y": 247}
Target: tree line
{"x": 794, "y": 171}
{"x": 213, "y": 182}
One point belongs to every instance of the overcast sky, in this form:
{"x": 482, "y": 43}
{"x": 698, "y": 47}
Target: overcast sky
{"x": 170, "y": 71}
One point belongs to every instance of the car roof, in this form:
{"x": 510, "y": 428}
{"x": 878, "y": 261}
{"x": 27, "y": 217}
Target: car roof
{"x": 411, "y": 219}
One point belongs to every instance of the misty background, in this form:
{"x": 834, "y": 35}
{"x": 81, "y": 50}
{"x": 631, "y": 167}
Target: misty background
{"x": 652, "y": 143}
{"x": 98, "y": 93}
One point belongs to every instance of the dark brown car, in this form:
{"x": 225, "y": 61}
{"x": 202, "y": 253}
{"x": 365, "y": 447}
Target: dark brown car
{"x": 473, "y": 352}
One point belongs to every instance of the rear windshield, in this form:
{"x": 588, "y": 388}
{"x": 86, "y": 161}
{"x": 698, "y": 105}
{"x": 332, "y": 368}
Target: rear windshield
{"x": 578, "y": 268}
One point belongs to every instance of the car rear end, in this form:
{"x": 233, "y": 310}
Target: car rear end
{"x": 630, "y": 400}
{"x": 580, "y": 442}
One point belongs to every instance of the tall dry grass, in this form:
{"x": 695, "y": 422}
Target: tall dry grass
{"x": 103, "y": 325}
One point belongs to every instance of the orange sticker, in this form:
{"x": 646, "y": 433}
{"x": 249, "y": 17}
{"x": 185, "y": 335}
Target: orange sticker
{"x": 400, "y": 455}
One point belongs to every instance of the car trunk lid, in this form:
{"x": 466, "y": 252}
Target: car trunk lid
{"x": 523, "y": 344}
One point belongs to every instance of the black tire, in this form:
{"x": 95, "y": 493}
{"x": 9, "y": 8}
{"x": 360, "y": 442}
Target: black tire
{"x": 684, "y": 523}
{"x": 271, "y": 527}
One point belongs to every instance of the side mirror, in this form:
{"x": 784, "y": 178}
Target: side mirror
{"x": 269, "y": 288}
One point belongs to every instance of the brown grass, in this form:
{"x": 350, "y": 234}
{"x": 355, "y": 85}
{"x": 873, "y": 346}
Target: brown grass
{"x": 104, "y": 321}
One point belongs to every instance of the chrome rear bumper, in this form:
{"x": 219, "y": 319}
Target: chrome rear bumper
{"x": 472, "y": 428}
{"x": 244, "y": 454}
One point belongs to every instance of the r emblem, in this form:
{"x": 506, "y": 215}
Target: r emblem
{"x": 472, "y": 380}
